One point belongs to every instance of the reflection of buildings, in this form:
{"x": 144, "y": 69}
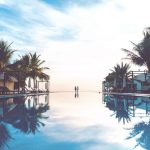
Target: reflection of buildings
{"x": 125, "y": 107}
{"x": 135, "y": 106}
{"x": 37, "y": 101}
{"x": 23, "y": 113}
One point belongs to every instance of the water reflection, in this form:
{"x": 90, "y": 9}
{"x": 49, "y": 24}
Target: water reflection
{"x": 75, "y": 124}
{"x": 127, "y": 107}
{"x": 76, "y": 95}
{"x": 23, "y": 114}
{"x": 4, "y": 135}
{"x": 142, "y": 133}
{"x": 120, "y": 106}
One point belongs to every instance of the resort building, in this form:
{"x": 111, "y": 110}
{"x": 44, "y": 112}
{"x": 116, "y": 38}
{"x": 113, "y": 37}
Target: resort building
{"x": 135, "y": 81}
{"x": 8, "y": 83}
{"x": 142, "y": 82}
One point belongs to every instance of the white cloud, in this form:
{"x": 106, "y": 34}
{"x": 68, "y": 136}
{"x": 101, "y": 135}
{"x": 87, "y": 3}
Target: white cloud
{"x": 3, "y": 1}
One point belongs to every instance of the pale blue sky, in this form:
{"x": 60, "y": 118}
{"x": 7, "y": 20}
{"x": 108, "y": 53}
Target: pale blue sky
{"x": 79, "y": 39}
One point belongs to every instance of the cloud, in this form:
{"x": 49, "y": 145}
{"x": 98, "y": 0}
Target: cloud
{"x": 87, "y": 137}
{"x": 2, "y": 2}
{"x": 34, "y": 26}
{"x": 62, "y": 5}
{"x": 65, "y": 34}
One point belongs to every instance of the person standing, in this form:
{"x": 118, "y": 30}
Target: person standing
{"x": 77, "y": 89}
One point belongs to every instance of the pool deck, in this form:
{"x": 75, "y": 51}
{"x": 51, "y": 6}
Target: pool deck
{"x": 128, "y": 94}
{"x": 22, "y": 94}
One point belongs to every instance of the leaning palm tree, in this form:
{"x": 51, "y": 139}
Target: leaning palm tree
{"x": 140, "y": 54}
{"x": 5, "y": 55}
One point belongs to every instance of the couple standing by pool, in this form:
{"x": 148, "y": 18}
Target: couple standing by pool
{"x": 76, "y": 88}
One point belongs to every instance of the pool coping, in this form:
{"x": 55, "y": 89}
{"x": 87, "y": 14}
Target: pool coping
{"x": 128, "y": 94}
{"x": 22, "y": 95}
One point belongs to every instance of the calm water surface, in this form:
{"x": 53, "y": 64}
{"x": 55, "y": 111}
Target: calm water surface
{"x": 62, "y": 122}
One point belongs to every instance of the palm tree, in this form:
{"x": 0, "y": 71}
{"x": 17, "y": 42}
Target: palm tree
{"x": 5, "y": 55}
{"x": 110, "y": 77}
{"x": 140, "y": 54}
{"x": 30, "y": 66}
{"x": 36, "y": 70}
{"x": 119, "y": 72}
{"x": 22, "y": 66}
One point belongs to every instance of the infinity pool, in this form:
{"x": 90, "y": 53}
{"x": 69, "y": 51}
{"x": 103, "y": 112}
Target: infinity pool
{"x": 64, "y": 121}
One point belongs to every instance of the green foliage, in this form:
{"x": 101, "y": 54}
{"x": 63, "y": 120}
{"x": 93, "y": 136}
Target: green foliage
{"x": 5, "y": 55}
{"x": 29, "y": 65}
{"x": 140, "y": 54}
{"x": 120, "y": 70}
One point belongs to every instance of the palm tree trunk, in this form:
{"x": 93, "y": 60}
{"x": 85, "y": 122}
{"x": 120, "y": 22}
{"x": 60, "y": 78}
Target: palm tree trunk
{"x": 18, "y": 81}
{"x": 124, "y": 82}
{"x": 35, "y": 83}
{"x": 115, "y": 82}
{"x": 29, "y": 82}
{"x": 148, "y": 66}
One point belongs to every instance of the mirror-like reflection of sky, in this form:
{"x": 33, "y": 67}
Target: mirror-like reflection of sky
{"x": 82, "y": 123}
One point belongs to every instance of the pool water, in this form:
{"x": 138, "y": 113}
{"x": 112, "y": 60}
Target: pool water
{"x": 65, "y": 121}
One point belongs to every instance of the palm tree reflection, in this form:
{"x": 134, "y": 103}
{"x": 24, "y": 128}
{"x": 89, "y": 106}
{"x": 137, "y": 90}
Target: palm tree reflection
{"x": 142, "y": 133}
{"x": 120, "y": 106}
{"x": 122, "y": 113}
{"x": 26, "y": 119}
{"x": 4, "y": 135}
{"x": 124, "y": 107}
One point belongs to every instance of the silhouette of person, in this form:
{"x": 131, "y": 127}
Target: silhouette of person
{"x": 75, "y": 88}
